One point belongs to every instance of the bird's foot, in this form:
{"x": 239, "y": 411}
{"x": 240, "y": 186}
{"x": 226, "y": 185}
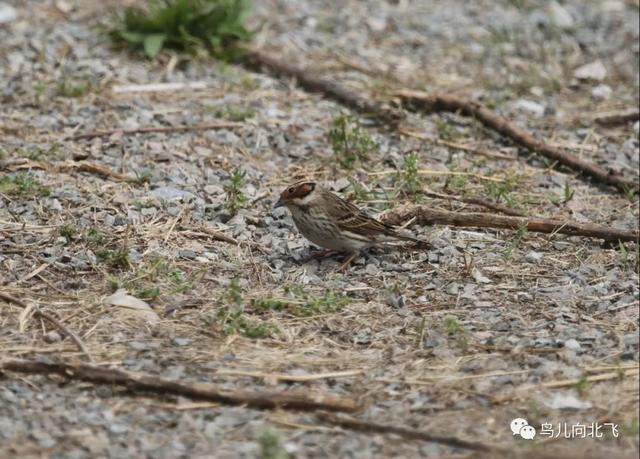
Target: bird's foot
{"x": 345, "y": 263}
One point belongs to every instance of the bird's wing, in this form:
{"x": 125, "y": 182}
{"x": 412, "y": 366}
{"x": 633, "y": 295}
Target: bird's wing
{"x": 350, "y": 218}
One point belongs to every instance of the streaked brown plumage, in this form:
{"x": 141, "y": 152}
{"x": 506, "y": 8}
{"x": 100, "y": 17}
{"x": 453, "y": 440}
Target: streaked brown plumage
{"x": 333, "y": 223}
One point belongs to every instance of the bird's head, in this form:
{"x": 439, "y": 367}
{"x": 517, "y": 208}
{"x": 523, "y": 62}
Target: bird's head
{"x": 296, "y": 194}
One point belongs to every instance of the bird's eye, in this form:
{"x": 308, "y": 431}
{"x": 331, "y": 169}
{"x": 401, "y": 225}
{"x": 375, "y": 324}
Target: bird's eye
{"x": 290, "y": 190}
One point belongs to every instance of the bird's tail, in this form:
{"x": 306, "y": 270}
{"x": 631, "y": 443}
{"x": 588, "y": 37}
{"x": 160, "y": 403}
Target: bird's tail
{"x": 419, "y": 242}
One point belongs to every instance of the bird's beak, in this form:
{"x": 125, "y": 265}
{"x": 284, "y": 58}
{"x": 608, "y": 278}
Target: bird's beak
{"x": 280, "y": 203}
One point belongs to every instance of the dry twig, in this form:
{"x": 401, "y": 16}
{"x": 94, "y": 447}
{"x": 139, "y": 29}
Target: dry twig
{"x": 98, "y": 169}
{"x": 359, "y": 425}
{"x": 455, "y": 146}
{"x": 159, "y": 87}
{"x": 445, "y": 102}
{"x": 291, "y": 378}
{"x": 478, "y": 201}
{"x": 427, "y": 216}
{"x": 309, "y": 81}
{"x": 591, "y": 379}
{"x": 48, "y": 317}
{"x": 618, "y": 118}
{"x": 198, "y": 391}
{"x": 154, "y": 129}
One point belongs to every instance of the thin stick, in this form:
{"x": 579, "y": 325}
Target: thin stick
{"x": 308, "y": 80}
{"x": 448, "y": 103}
{"x": 434, "y": 172}
{"x": 46, "y": 316}
{"x": 456, "y": 146}
{"x": 159, "y": 87}
{"x": 618, "y": 118}
{"x": 427, "y": 216}
{"x": 217, "y": 235}
{"x": 139, "y": 383}
{"x": 348, "y": 422}
{"x": 478, "y": 201}
{"x": 150, "y": 129}
{"x": 98, "y": 169}
{"x": 574, "y": 381}
{"x": 291, "y": 378}
{"x": 173, "y": 224}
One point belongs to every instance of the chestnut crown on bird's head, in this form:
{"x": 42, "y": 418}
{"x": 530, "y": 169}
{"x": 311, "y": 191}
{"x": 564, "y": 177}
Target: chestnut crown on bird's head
{"x": 295, "y": 191}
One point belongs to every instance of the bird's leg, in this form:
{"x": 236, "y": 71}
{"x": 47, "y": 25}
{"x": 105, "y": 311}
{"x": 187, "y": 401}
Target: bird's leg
{"x": 321, "y": 253}
{"x": 347, "y": 261}
{"x": 318, "y": 254}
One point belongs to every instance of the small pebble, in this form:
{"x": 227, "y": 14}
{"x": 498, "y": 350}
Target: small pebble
{"x": 52, "y": 337}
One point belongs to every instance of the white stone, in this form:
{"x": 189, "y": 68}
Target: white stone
{"x": 601, "y": 92}
{"x": 529, "y": 106}
{"x": 559, "y": 16}
{"x": 592, "y": 71}
{"x": 7, "y": 13}
{"x": 572, "y": 344}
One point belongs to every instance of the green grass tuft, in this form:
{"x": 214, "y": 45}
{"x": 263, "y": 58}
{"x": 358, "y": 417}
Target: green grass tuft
{"x": 408, "y": 179}
{"x": 300, "y": 303}
{"x": 235, "y": 321}
{"x": 74, "y": 87}
{"x": 230, "y": 112}
{"x": 235, "y": 199}
{"x": 22, "y": 184}
{"x": 271, "y": 445}
{"x": 351, "y": 143}
{"x": 190, "y": 26}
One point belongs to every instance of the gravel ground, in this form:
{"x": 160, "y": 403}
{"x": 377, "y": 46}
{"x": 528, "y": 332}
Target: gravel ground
{"x": 484, "y": 327}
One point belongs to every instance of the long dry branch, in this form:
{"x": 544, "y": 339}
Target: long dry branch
{"x": 360, "y": 425}
{"x": 138, "y": 383}
{"x": 444, "y": 102}
{"x": 427, "y": 216}
{"x": 618, "y": 118}
{"x": 155, "y": 129}
{"x": 49, "y": 318}
{"x": 311, "y": 82}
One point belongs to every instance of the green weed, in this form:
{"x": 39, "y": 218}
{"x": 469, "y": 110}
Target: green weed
{"x": 22, "y": 184}
{"x": 445, "y": 130}
{"x": 191, "y": 26}
{"x": 36, "y": 153}
{"x": 271, "y": 445}
{"x": 408, "y": 178}
{"x": 143, "y": 176}
{"x": 420, "y": 330}
{"x": 151, "y": 276}
{"x": 298, "y": 302}
{"x": 360, "y": 192}
{"x": 139, "y": 205}
{"x": 39, "y": 89}
{"x": 116, "y": 259}
{"x": 95, "y": 237}
{"x": 235, "y": 321}
{"x": 582, "y": 387}
{"x": 516, "y": 240}
{"x": 74, "y": 87}
{"x": 68, "y": 232}
{"x": 630, "y": 193}
{"x": 351, "y": 143}
{"x": 230, "y": 112}
{"x": 453, "y": 328}
{"x": 235, "y": 198}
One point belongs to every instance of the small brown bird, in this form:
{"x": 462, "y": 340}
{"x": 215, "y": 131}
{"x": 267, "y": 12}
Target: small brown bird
{"x": 333, "y": 223}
